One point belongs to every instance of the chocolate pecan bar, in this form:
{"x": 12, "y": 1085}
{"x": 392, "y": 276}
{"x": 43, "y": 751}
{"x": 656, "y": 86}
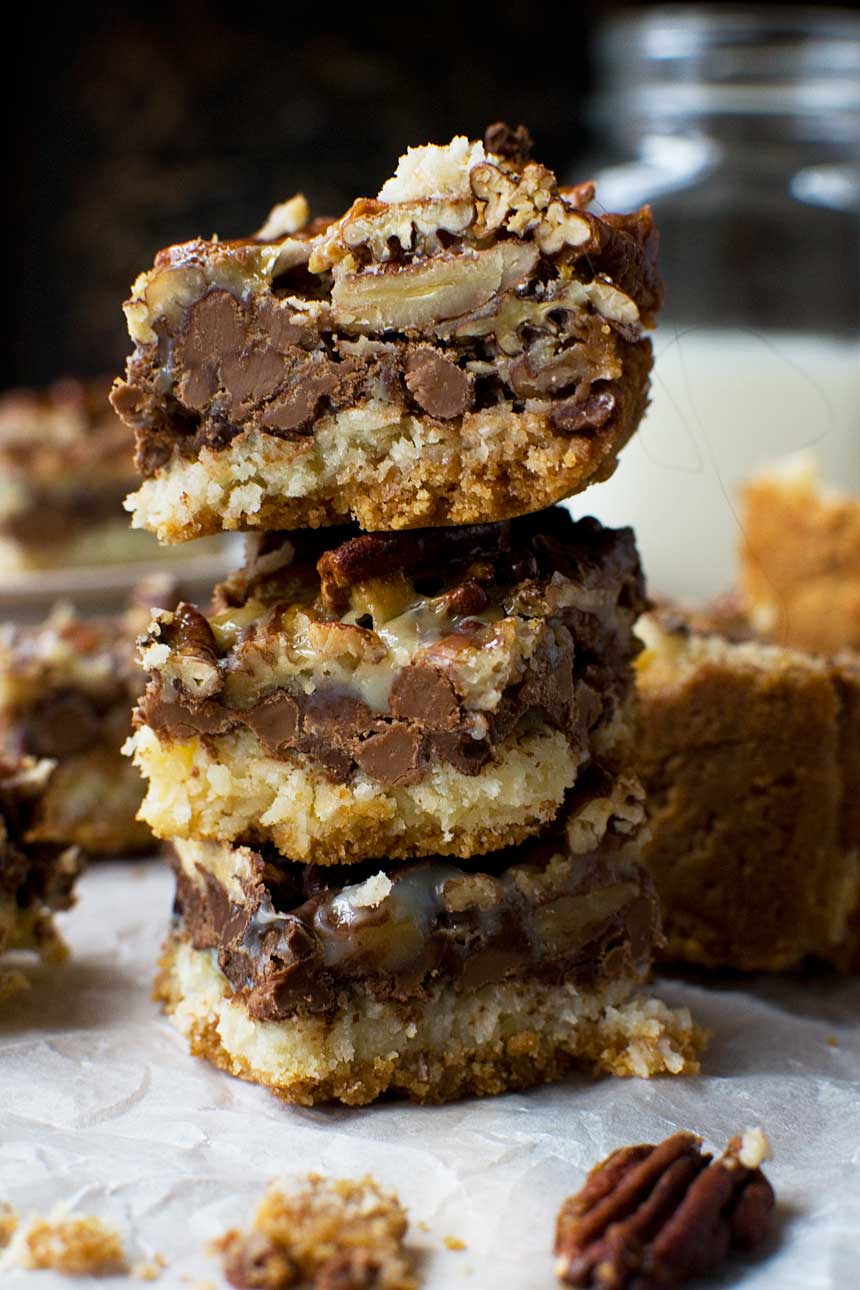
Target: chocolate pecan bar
{"x": 800, "y": 559}
{"x": 36, "y": 878}
{"x": 750, "y": 756}
{"x": 465, "y": 347}
{"x": 427, "y": 979}
{"x": 67, "y": 690}
{"x": 399, "y": 694}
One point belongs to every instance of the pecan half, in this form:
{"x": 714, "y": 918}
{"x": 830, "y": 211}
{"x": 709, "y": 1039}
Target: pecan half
{"x": 651, "y": 1217}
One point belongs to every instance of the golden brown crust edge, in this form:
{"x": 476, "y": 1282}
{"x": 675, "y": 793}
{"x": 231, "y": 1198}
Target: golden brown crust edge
{"x": 668, "y": 1043}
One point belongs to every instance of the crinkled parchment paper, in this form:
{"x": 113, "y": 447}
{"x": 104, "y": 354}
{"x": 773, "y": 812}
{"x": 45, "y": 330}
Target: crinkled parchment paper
{"x": 103, "y": 1110}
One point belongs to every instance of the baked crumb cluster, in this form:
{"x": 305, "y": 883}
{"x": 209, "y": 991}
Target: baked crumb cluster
{"x": 74, "y": 1246}
{"x": 320, "y": 1232}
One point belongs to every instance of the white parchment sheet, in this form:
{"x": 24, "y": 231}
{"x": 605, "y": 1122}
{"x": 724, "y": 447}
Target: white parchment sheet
{"x": 103, "y": 1110}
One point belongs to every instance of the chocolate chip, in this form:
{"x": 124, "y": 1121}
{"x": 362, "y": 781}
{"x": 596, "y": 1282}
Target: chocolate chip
{"x": 64, "y": 723}
{"x": 437, "y": 385}
{"x": 422, "y": 694}
{"x": 337, "y": 716}
{"x": 179, "y": 721}
{"x": 391, "y": 756}
{"x": 275, "y": 720}
{"x": 214, "y": 325}
{"x": 464, "y": 753}
{"x": 575, "y": 416}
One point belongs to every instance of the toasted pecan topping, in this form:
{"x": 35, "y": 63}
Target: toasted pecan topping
{"x": 651, "y": 1217}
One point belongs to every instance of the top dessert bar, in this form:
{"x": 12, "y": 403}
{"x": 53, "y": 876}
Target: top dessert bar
{"x": 463, "y": 348}
{"x": 66, "y": 462}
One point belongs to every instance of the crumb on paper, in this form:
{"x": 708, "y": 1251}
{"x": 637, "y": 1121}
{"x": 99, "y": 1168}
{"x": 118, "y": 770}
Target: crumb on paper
{"x": 148, "y": 1269}
{"x": 8, "y": 1223}
{"x": 453, "y": 1243}
{"x": 80, "y": 1245}
{"x": 832, "y": 1041}
{"x": 313, "y": 1231}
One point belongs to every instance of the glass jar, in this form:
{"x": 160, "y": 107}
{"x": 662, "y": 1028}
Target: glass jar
{"x": 743, "y": 131}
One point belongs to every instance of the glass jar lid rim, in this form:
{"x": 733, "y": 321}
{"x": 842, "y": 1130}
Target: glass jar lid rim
{"x": 782, "y": 39}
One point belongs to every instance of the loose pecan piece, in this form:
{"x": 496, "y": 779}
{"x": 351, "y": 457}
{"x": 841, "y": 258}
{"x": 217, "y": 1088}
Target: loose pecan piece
{"x": 651, "y": 1217}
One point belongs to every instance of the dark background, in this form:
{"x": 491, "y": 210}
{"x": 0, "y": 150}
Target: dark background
{"x": 131, "y": 128}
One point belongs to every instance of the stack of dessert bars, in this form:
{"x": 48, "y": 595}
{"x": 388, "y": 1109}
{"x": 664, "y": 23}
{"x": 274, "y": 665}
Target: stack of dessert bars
{"x": 392, "y": 758}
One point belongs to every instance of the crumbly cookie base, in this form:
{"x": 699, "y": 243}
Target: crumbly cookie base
{"x": 506, "y": 1036}
{"x": 388, "y": 470}
{"x": 225, "y": 789}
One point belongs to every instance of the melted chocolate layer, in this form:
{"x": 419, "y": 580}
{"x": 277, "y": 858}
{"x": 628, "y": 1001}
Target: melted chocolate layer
{"x": 302, "y": 936}
{"x": 575, "y": 679}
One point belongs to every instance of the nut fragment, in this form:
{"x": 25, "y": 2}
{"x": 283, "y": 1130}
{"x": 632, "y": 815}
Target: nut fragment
{"x": 651, "y": 1217}
{"x": 528, "y": 203}
{"x": 284, "y": 219}
{"x": 192, "y": 650}
{"x": 418, "y": 295}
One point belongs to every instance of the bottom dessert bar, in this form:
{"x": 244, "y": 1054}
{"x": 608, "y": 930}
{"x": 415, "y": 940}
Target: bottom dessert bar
{"x": 750, "y": 756}
{"x": 36, "y": 878}
{"x": 424, "y": 979}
